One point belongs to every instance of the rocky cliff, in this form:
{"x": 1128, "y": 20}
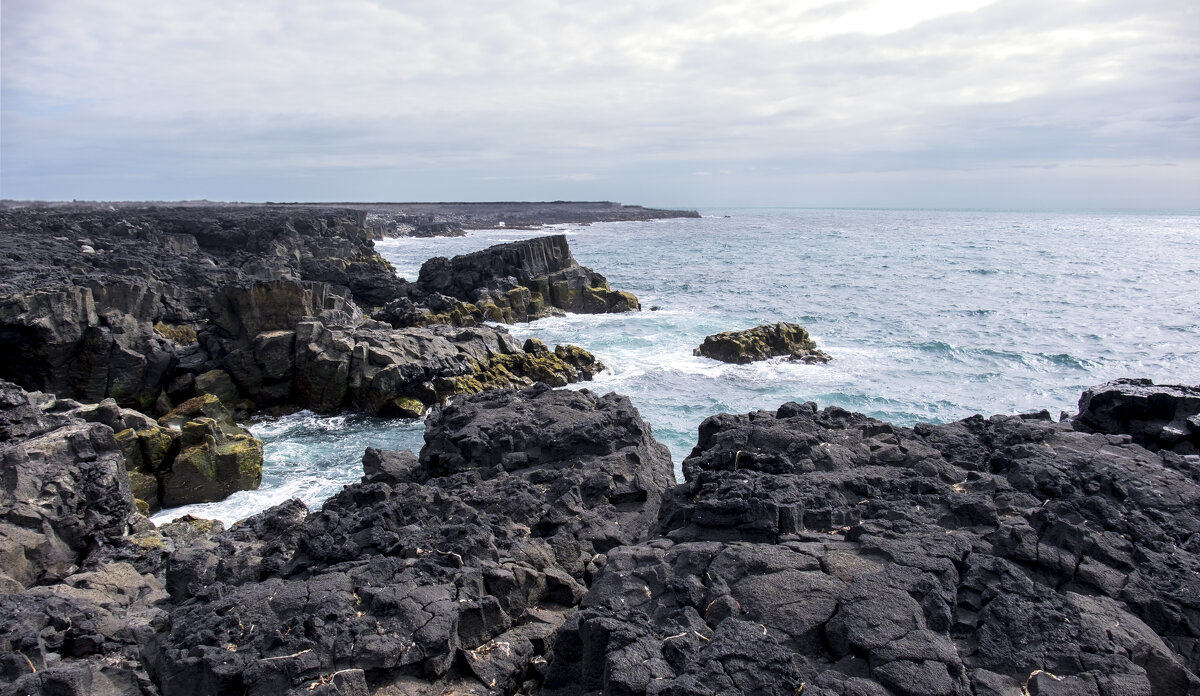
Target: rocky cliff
{"x": 522, "y": 281}
{"x": 261, "y": 307}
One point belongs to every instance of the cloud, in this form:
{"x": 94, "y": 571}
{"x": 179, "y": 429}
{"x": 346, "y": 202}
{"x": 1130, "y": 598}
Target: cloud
{"x": 152, "y": 99}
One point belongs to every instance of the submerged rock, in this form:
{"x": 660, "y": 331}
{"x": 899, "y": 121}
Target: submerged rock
{"x": 761, "y": 343}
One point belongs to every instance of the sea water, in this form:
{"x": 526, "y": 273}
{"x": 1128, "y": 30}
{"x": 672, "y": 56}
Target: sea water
{"x": 929, "y": 315}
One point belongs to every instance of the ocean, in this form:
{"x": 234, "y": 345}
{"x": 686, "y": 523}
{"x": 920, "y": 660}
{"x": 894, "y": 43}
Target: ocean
{"x": 930, "y": 315}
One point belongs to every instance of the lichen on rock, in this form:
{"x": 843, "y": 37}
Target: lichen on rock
{"x": 761, "y": 343}
{"x": 216, "y": 456}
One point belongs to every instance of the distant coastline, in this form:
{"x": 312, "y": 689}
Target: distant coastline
{"x": 466, "y": 215}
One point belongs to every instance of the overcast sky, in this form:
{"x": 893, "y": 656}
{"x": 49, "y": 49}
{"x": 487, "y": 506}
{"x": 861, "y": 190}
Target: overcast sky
{"x": 956, "y": 103}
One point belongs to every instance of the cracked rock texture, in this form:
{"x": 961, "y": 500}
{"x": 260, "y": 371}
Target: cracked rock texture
{"x": 452, "y": 570}
{"x": 822, "y": 552}
{"x": 263, "y": 307}
{"x": 538, "y": 545}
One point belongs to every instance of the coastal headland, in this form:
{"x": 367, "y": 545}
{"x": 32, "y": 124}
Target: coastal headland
{"x": 538, "y": 543}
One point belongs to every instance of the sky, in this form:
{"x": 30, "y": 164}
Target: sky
{"x": 860, "y": 103}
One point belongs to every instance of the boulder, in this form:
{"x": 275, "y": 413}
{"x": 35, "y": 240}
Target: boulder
{"x": 215, "y": 456}
{"x": 1156, "y": 417}
{"x": 447, "y": 573}
{"x": 65, "y": 488}
{"x": 761, "y": 343}
{"x": 522, "y": 281}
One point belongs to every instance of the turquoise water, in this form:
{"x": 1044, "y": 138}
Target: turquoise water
{"x": 929, "y": 315}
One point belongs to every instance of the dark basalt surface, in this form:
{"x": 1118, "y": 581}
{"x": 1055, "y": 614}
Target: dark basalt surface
{"x": 262, "y": 306}
{"x": 454, "y": 567}
{"x": 823, "y": 552}
{"x": 524, "y": 280}
{"x": 65, "y": 488}
{"x": 538, "y": 545}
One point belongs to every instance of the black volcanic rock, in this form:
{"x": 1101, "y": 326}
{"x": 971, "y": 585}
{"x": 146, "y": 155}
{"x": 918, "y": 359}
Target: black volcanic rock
{"x": 761, "y": 343}
{"x": 452, "y": 570}
{"x": 827, "y": 552}
{"x": 65, "y": 488}
{"x": 259, "y": 306}
{"x": 524, "y": 280}
{"x": 1157, "y": 417}
{"x": 537, "y": 546}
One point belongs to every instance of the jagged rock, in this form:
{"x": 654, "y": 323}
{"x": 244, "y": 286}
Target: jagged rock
{"x": 1157, "y": 417}
{"x": 81, "y": 637}
{"x": 174, "y": 293}
{"x": 405, "y": 371}
{"x": 522, "y": 281}
{"x": 259, "y": 306}
{"x": 761, "y": 343}
{"x": 215, "y": 456}
{"x": 65, "y": 486}
{"x": 468, "y": 556}
{"x": 828, "y": 552}
{"x": 537, "y": 545}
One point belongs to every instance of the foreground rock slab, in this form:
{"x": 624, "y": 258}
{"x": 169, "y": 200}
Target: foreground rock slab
{"x": 761, "y": 343}
{"x": 452, "y": 569}
{"x": 823, "y": 552}
{"x": 538, "y": 545}
{"x": 65, "y": 487}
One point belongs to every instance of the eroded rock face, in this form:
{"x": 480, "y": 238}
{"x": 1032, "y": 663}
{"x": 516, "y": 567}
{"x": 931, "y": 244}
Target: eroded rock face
{"x": 451, "y": 571}
{"x": 761, "y": 343}
{"x": 215, "y": 455}
{"x": 65, "y": 486}
{"x": 828, "y": 552}
{"x": 522, "y": 281}
{"x": 259, "y": 306}
{"x": 1157, "y": 417}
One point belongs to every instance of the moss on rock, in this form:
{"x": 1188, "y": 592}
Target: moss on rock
{"x": 564, "y": 365}
{"x": 180, "y": 333}
{"x": 216, "y": 456}
{"x": 761, "y": 343}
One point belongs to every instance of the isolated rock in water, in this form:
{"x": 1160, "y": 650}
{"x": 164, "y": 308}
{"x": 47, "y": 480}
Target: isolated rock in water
{"x": 524, "y": 280}
{"x": 1157, "y": 417}
{"x": 828, "y": 552}
{"x": 216, "y": 456}
{"x": 761, "y": 343}
{"x": 65, "y": 487}
{"x": 450, "y": 571}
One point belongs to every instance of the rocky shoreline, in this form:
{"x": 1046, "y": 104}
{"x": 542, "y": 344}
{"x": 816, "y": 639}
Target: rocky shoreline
{"x": 270, "y": 309}
{"x": 538, "y": 543}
